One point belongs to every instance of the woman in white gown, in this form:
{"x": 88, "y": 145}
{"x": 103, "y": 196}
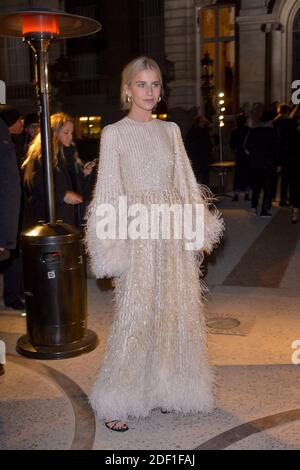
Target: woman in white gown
{"x": 156, "y": 352}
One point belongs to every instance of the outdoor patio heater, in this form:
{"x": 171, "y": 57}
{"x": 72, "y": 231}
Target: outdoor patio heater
{"x": 52, "y": 251}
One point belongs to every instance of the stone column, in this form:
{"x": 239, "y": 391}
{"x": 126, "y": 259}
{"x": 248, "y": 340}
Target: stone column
{"x": 180, "y": 49}
{"x": 252, "y": 51}
{"x": 276, "y": 66}
{"x": 275, "y": 37}
{"x": 273, "y": 61}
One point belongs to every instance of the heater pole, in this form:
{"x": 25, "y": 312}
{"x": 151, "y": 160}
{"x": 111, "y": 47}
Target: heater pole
{"x": 40, "y": 48}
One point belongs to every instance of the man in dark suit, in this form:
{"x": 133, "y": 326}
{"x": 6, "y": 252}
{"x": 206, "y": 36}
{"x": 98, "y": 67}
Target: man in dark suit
{"x": 10, "y": 198}
{"x": 286, "y": 129}
{"x": 262, "y": 148}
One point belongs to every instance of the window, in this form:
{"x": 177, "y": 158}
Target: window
{"x": 218, "y": 39}
{"x": 88, "y": 127}
{"x": 18, "y": 60}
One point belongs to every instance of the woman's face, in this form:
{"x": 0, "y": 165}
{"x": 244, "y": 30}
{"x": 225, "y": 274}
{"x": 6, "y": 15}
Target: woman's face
{"x": 33, "y": 129}
{"x": 144, "y": 90}
{"x": 65, "y": 135}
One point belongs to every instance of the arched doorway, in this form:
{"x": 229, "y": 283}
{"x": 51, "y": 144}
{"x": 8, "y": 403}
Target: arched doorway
{"x": 286, "y": 47}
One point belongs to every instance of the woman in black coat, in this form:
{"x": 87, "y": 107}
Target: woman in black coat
{"x": 199, "y": 146}
{"x": 68, "y": 194}
{"x": 292, "y": 163}
{"x": 242, "y": 164}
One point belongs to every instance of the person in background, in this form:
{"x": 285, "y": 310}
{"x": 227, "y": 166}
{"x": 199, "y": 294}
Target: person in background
{"x": 31, "y": 129}
{"x": 262, "y": 147}
{"x": 293, "y": 163}
{"x": 68, "y": 172}
{"x": 10, "y": 201}
{"x": 293, "y": 170}
{"x": 285, "y": 127}
{"x": 199, "y": 145}
{"x": 242, "y": 168}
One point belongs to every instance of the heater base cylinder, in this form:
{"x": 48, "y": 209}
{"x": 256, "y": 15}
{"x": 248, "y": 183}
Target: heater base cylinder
{"x": 84, "y": 345}
{"x": 55, "y": 293}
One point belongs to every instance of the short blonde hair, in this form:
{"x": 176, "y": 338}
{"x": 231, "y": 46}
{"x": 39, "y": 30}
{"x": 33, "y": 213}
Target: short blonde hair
{"x": 131, "y": 69}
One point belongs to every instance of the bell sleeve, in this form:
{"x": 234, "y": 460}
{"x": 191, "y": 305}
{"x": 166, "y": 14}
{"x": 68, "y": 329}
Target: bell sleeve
{"x": 193, "y": 193}
{"x": 108, "y": 256}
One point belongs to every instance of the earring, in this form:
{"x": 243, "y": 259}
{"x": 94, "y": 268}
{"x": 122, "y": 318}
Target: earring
{"x": 128, "y": 99}
{"x": 159, "y": 99}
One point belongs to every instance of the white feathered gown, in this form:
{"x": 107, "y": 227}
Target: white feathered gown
{"x": 156, "y": 352}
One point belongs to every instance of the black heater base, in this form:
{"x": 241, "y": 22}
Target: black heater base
{"x": 84, "y": 345}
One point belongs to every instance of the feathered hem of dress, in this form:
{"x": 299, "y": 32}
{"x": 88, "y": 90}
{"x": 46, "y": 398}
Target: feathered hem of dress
{"x": 116, "y": 405}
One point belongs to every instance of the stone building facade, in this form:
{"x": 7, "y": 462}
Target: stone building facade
{"x": 253, "y": 45}
{"x": 265, "y": 57}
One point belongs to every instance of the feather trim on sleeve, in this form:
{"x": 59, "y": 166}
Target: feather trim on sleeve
{"x": 194, "y": 193}
{"x": 108, "y": 257}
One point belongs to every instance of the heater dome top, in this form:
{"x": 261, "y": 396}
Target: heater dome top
{"x": 64, "y": 25}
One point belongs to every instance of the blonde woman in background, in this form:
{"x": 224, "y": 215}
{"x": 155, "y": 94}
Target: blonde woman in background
{"x": 69, "y": 174}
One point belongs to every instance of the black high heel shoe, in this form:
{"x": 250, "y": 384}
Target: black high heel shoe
{"x": 113, "y": 425}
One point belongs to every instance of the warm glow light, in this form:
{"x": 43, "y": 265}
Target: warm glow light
{"x": 221, "y": 118}
{"x": 221, "y": 95}
{"x": 222, "y": 124}
{"x": 83, "y": 118}
{"x": 94, "y": 118}
{"x": 221, "y": 102}
{"x": 40, "y": 24}
{"x": 223, "y": 109}
{"x": 162, "y": 116}
{"x": 154, "y": 116}
{"x": 33, "y": 233}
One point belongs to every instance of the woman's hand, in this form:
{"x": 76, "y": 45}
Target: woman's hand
{"x": 88, "y": 168}
{"x": 73, "y": 198}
